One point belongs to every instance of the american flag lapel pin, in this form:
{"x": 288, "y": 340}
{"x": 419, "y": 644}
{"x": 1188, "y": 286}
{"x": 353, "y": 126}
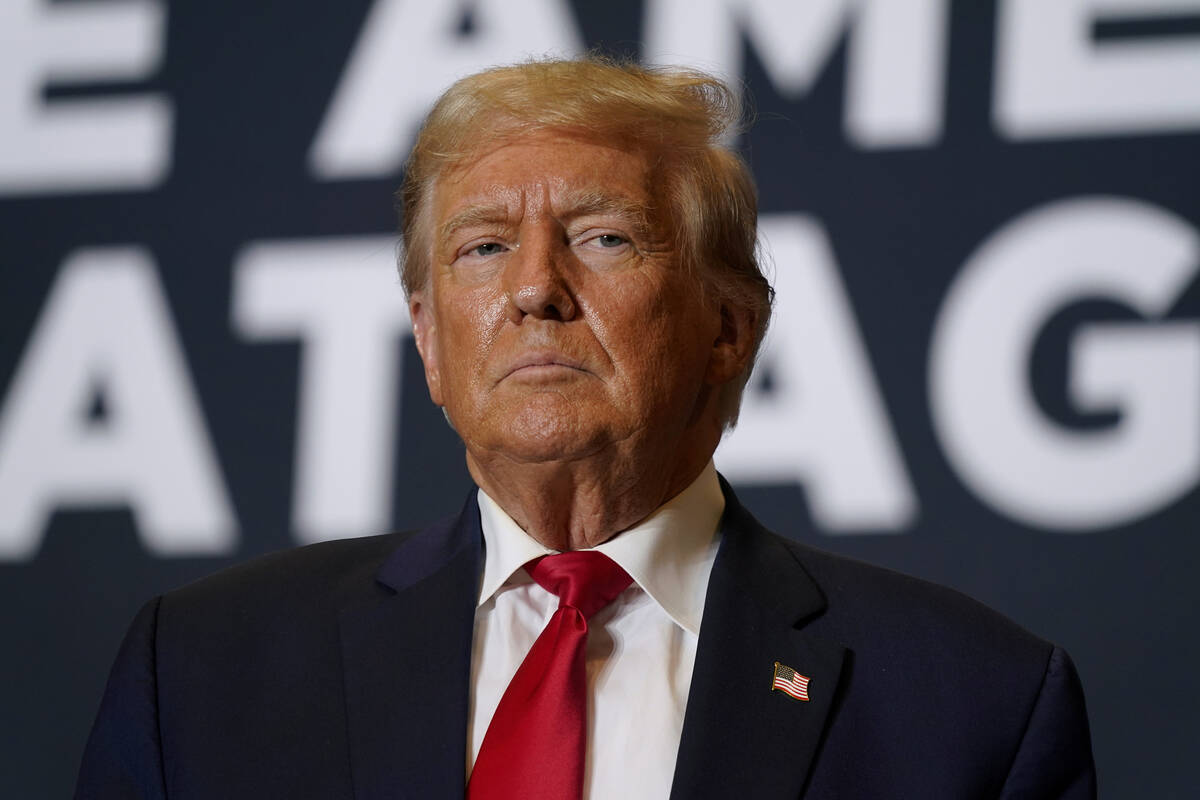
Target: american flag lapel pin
{"x": 790, "y": 682}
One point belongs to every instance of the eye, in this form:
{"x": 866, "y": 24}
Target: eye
{"x": 487, "y": 249}
{"x": 607, "y": 247}
{"x": 610, "y": 240}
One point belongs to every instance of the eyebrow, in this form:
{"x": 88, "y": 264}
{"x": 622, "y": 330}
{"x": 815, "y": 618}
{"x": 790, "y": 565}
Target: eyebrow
{"x": 470, "y": 216}
{"x": 586, "y": 203}
{"x": 593, "y": 203}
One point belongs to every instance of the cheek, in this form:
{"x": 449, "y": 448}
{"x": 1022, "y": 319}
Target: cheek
{"x": 471, "y": 324}
{"x": 656, "y": 340}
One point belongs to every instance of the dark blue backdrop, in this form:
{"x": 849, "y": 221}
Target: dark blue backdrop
{"x": 985, "y": 368}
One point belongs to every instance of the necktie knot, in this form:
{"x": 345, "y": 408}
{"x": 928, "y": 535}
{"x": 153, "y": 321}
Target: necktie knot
{"x": 582, "y": 579}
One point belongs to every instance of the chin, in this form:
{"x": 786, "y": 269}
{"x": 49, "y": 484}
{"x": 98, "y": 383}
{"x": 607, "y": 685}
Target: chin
{"x": 554, "y": 431}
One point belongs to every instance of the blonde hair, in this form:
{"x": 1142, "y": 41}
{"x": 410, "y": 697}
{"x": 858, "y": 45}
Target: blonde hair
{"x": 679, "y": 117}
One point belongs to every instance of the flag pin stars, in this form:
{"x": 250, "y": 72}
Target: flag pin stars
{"x": 790, "y": 682}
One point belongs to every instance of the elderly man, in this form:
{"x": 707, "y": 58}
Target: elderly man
{"x": 603, "y": 619}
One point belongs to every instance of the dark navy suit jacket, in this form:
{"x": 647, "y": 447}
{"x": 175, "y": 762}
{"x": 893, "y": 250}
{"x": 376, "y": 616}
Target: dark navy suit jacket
{"x": 341, "y": 670}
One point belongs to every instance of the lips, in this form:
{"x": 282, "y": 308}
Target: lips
{"x": 542, "y": 361}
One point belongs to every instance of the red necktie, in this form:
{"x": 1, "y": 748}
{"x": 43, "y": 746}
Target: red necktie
{"x": 534, "y": 747}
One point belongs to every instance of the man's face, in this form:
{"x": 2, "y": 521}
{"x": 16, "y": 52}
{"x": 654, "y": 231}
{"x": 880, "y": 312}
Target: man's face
{"x": 558, "y": 320}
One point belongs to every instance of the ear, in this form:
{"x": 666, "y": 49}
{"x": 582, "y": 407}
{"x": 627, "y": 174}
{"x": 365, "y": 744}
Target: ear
{"x": 734, "y": 346}
{"x": 424, "y": 324}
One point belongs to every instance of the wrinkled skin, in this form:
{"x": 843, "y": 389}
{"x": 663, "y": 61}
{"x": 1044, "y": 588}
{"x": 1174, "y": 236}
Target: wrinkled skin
{"x": 570, "y": 349}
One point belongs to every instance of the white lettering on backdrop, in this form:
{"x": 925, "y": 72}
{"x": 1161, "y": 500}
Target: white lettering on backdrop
{"x": 80, "y": 144}
{"x": 896, "y": 62}
{"x": 406, "y": 55}
{"x": 106, "y": 331}
{"x": 824, "y": 424}
{"x": 1053, "y": 80}
{"x": 1001, "y": 444}
{"x": 342, "y": 299}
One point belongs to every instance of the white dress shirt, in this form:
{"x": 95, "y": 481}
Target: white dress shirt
{"x": 640, "y": 649}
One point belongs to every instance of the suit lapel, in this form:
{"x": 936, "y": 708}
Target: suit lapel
{"x": 740, "y": 738}
{"x": 406, "y": 661}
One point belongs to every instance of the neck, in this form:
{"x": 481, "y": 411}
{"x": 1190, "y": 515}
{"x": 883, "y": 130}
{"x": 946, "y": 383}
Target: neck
{"x": 573, "y": 505}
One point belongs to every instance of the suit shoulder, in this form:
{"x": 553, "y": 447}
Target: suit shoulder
{"x": 869, "y": 603}
{"x": 936, "y": 694}
{"x": 324, "y": 569}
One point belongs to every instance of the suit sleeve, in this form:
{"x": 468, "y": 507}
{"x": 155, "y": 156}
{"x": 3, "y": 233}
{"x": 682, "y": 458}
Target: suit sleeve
{"x": 1054, "y": 759}
{"x": 123, "y": 757}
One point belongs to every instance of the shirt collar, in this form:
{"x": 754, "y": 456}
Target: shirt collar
{"x": 669, "y": 554}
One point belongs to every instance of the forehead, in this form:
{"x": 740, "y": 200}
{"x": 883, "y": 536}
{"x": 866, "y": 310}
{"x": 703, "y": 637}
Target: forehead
{"x": 543, "y": 172}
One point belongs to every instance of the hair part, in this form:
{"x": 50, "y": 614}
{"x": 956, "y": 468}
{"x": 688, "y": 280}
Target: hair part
{"x": 680, "y": 118}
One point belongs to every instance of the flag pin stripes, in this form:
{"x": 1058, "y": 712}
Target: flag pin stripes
{"x": 790, "y": 682}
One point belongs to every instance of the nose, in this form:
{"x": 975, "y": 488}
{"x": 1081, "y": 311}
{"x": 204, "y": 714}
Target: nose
{"x": 536, "y": 278}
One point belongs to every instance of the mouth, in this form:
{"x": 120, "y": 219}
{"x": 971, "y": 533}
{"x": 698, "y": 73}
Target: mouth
{"x": 543, "y": 364}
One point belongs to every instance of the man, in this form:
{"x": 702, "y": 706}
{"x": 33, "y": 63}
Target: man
{"x": 584, "y": 292}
